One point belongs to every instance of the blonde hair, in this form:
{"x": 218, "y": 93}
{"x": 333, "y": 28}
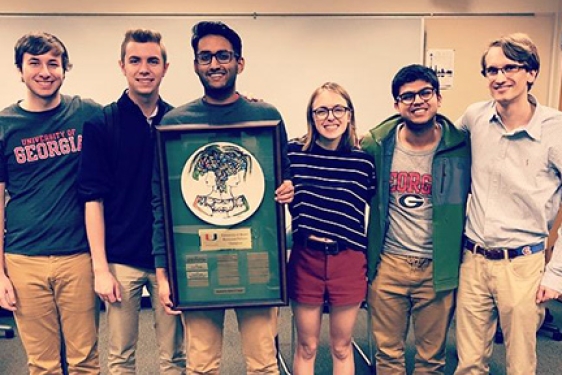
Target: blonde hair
{"x": 349, "y": 138}
{"x": 517, "y": 47}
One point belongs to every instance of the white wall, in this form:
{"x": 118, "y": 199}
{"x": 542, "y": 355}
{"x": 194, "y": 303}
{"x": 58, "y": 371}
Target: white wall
{"x": 281, "y": 6}
{"x": 287, "y": 58}
{"x": 476, "y": 33}
{"x": 486, "y": 18}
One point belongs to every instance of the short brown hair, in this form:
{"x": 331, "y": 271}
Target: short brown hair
{"x": 39, "y": 43}
{"x": 143, "y": 36}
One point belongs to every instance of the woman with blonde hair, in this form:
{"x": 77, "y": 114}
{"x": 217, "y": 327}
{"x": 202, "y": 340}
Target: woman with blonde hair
{"x": 334, "y": 182}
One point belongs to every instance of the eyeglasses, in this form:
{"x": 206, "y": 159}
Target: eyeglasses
{"x": 508, "y": 70}
{"x": 222, "y": 56}
{"x": 409, "y": 97}
{"x": 322, "y": 113}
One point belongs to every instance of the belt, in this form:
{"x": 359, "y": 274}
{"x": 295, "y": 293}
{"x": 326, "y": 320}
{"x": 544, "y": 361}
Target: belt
{"x": 327, "y": 247}
{"x": 497, "y": 253}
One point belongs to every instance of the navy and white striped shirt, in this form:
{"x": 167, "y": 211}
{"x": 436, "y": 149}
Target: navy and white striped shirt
{"x": 332, "y": 191}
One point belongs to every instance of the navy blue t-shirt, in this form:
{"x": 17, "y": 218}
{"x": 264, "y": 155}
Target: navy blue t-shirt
{"x": 39, "y": 157}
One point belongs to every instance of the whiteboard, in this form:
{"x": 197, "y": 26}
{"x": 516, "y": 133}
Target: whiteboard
{"x": 287, "y": 58}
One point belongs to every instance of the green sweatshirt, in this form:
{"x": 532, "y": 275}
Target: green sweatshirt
{"x": 451, "y": 184}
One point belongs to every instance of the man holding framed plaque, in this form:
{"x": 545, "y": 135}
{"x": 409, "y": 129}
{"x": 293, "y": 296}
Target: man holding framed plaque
{"x": 219, "y": 167}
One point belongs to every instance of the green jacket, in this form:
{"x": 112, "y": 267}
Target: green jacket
{"x": 451, "y": 184}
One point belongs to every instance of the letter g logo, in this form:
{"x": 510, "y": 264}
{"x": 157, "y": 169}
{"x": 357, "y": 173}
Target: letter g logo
{"x": 411, "y": 201}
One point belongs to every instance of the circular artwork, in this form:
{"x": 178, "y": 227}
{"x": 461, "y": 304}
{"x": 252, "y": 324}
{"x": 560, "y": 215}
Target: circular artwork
{"x": 222, "y": 183}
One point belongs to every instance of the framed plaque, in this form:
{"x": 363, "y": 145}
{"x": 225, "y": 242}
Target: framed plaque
{"x": 225, "y": 234}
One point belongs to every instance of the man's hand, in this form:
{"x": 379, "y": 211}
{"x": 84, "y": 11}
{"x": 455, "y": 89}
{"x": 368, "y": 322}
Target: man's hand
{"x": 7, "y": 294}
{"x": 545, "y": 293}
{"x": 164, "y": 296}
{"x": 107, "y": 287}
{"x": 285, "y": 192}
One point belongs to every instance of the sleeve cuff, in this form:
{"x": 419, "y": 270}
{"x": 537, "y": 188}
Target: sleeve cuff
{"x": 552, "y": 280}
{"x": 160, "y": 261}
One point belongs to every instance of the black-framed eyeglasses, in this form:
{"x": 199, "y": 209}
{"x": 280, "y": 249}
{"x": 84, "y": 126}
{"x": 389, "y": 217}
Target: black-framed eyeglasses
{"x": 322, "y": 113}
{"x": 222, "y": 56}
{"x": 409, "y": 97}
{"x": 508, "y": 70}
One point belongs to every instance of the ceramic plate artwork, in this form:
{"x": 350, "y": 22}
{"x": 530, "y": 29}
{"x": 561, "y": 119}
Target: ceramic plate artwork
{"x": 222, "y": 183}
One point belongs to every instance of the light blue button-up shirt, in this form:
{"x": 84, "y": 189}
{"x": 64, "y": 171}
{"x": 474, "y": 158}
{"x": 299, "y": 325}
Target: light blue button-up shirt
{"x": 516, "y": 177}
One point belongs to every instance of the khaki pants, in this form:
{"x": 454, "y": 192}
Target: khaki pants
{"x": 204, "y": 334}
{"x": 403, "y": 289}
{"x": 507, "y": 288}
{"x": 123, "y": 324}
{"x": 56, "y": 294}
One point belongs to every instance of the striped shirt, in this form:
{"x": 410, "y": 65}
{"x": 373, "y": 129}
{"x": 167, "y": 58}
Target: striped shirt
{"x": 332, "y": 191}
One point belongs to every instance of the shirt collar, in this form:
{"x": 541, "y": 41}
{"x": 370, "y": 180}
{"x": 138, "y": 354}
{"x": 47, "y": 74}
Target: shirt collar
{"x": 154, "y": 113}
{"x": 129, "y": 102}
{"x": 533, "y": 128}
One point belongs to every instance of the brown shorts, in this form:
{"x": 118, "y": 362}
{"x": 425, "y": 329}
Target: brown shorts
{"x": 315, "y": 277}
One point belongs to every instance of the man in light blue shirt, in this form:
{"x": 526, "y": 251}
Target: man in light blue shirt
{"x": 516, "y": 192}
